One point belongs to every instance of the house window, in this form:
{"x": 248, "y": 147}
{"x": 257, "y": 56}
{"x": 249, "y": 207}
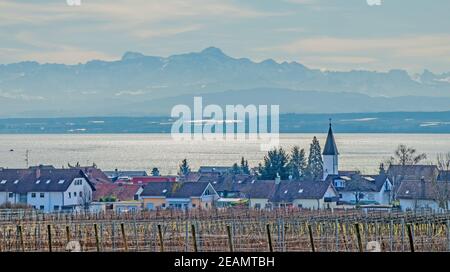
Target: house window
{"x": 74, "y": 193}
{"x": 42, "y": 195}
{"x": 300, "y": 206}
{"x": 193, "y": 205}
{"x": 81, "y": 194}
{"x": 11, "y": 195}
{"x": 163, "y": 205}
{"x": 41, "y": 207}
{"x": 33, "y": 195}
{"x": 257, "y": 206}
{"x": 56, "y": 207}
{"x": 70, "y": 194}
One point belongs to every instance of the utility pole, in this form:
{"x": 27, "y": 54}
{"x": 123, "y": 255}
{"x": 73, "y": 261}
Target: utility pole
{"x": 27, "y": 157}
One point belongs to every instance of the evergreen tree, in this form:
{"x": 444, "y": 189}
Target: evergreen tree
{"x": 184, "y": 168}
{"x": 315, "y": 163}
{"x": 244, "y": 166}
{"x": 297, "y": 163}
{"x": 235, "y": 169}
{"x": 275, "y": 162}
{"x": 155, "y": 172}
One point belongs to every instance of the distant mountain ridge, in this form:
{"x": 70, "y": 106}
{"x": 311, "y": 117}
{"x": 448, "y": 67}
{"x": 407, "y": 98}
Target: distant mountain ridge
{"x": 99, "y": 87}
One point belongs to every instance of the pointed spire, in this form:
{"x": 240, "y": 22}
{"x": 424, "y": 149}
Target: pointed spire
{"x": 330, "y": 145}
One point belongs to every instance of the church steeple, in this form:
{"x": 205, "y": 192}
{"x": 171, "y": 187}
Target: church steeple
{"x": 330, "y": 155}
{"x": 330, "y": 145}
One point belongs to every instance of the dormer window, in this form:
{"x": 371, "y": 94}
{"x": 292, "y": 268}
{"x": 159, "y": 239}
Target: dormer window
{"x": 48, "y": 181}
{"x": 3, "y": 181}
{"x": 16, "y": 181}
{"x": 38, "y": 181}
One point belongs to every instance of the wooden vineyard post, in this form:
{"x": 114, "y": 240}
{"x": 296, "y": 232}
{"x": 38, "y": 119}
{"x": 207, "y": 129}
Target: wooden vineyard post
{"x": 337, "y": 235}
{"x": 161, "y": 241}
{"x": 311, "y": 238}
{"x": 19, "y": 230}
{"x": 230, "y": 238}
{"x": 269, "y": 238}
{"x": 67, "y": 233}
{"x": 403, "y": 234}
{"x": 97, "y": 242}
{"x": 124, "y": 237}
{"x": 448, "y": 235}
{"x": 391, "y": 236}
{"x": 344, "y": 236}
{"x": 358, "y": 237}
{"x": 410, "y": 236}
{"x": 49, "y": 235}
{"x": 194, "y": 238}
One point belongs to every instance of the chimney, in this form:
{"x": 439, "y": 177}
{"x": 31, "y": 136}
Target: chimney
{"x": 38, "y": 172}
{"x": 422, "y": 185}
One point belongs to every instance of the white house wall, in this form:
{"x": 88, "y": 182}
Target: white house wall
{"x": 413, "y": 204}
{"x": 253, "y": 202}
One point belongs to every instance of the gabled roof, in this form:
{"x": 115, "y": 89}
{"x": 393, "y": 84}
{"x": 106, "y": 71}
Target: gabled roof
{"x": 424, "y": 190}
{"x": 263, "y": 189}
{"x": 26, "y": 180}
{"x": 330, "y": 145}
{"x": 174, "y": 189}
{"x": 234, "y": 183}
{"x": 361, "y": 183}
{"x": 288, "y": 191}
{"x": 125, "y": 173}
{"x": 214, "y": 169}
{"x": 413, "y": 172}
{"x": 122, "y": 192}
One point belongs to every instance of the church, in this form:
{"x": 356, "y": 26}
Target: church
{"x": 352, "y": 186}
{"x": 330, "y": 155}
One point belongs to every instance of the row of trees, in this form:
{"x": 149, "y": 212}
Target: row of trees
{"x": 278, "y": 163}
{"x": 295, "y": 165}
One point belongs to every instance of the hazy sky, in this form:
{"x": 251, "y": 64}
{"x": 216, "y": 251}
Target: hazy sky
{"x": 328, "y": 34}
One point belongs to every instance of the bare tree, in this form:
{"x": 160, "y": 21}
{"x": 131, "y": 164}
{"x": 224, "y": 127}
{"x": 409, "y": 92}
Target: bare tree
{"x": 441, "y": 187}
{"x": 406, "y": 155}
{"x": 85, "y": 198}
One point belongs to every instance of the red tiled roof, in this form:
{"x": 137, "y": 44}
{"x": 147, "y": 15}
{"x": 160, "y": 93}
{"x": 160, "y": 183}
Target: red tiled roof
{"x": 143, "y": 180}
{"x": 122, "y": 192}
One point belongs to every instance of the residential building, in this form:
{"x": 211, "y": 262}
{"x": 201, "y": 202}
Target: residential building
{"x": 115, "y": 192}
{"x": 46, "y": 189}
{"x": 179, "y": 195}
{"x": 117, "y": 175}
{"x": 424, "y": 195}
{"x": 363, "y": 189}
{"x": 296, "y": 194}
{"x": 305, "y": 194}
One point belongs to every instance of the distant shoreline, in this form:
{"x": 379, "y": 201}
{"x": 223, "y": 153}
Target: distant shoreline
{"x": 384, "y": 122}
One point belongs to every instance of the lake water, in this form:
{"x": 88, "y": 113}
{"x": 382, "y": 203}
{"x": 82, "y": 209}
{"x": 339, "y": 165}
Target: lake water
{"x": 144, "y": 151}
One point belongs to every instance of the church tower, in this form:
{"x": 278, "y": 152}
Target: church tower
{"x": 330, "y": 155}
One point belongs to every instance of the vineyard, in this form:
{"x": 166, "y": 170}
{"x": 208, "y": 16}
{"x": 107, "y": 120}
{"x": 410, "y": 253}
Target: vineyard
{"x": 239, "y": 230}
